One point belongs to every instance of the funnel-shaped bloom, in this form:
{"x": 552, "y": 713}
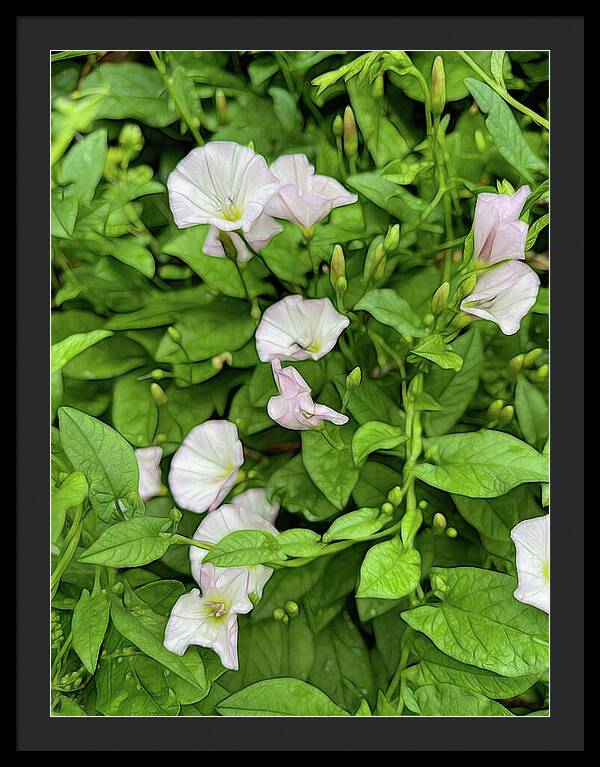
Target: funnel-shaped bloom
{"x": 223, "y": 183}
{"x": 504, "y": 295}
{"x": 498, "y": 233}
{"x": 217, "y": 525}
{"x": 261, "y": 232}
{"x": 254, "y": 501}
{"x": 294, "y": 407}
{"x": 532, "y": 544}
{"x": 206, "y": 465}
{"x": 303, "y": 197}
{"x": 297, "y": 328}
{"x": 210, "y": 620}
{"x": 148, "y": 459}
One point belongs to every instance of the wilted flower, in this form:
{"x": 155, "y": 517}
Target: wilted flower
{"x": 223, "y": 184}
{"x": 210, "y": 620}
{"x": 258, "y": 236}
{"x": 498, "y": 233}
{"x": 227, "y": 519}
{"x": 304, "y": 197}
{"x": 298, "y": 328}
{"x": 504, "y": 295}
{"x": 255, "y": 501}
{"x": 205, "y": 466}
{"x": 294, "y": 407}
{"x": 532, "y": 544}
{"x": 148, "y": 459}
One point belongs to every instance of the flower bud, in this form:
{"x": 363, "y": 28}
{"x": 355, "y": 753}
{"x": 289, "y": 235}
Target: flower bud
{"x": 540, "y": 375}
{"x": 379, "y": 261}
{"x": 278, "y": 614}
{"x": 174, "y": 334}
{"x": 438, "y": 584}
{"x": 395, "y": 496}
{"x": 392, "y": 238}
{"x": 462, "y": 320}
{"x": 438, "y": 86}
{"x": 387, "y": 508}
{"x": 291, "y": 608}
{"x": 440, "y": 298}
{"x": 175, "y": 516}
{"x": 255, "y": 311}
{"x": 439, "y": 521}
{"x": 378, "y": 87}
{"x": 532, "y": 357}
{"x": 160, "y": 439}
{"x": 228, "y": 246}
{"x": 221, "y": 107}
{"x": 505, "y": 187}
{"x": 428, "y": 319}
{"x": 225, "y": 358}
{"x": 516, "y": 363}
{"x": 131, "y": 141}
{"x": 423, "y": 504}
{"x": 467, "y": 286}
{"x": 340, "y": 287}
{"x": 350, "y": 133}
{"x": 338, "y": 126}
{"x": 451, "y": 532}
{"x": 337, "y": 267}
{"x": 506, "y": 415}
{"x": 495, "y": 408}
{"x": 159, "y": 374}
{"x": 353, "y": 379}
{"x": 158, "y": 394}
{"x": 480, "y": 141}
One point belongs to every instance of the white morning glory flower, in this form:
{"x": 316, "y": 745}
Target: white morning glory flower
{"x": 504, "y": 295}
{"x": 205, "y": 467}
{"x": 304, "y": 197}
{"x": 148, "y": 459}
{"x": 294, "y": 407}
{"x": 254, "y": 501}
{"x": 223, "y": 184}
{"x": 498, "y": 233}
{"x": 217, "y": 525}
{"x": 210, "y": 620}
{"x": 261, "y": 232}
{"x": 532, "y": 544}
{"x": 298, "y": 328}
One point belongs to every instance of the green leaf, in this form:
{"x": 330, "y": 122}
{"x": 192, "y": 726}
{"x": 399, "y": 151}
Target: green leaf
{"x": 373, "y": 436}
{"x": 480, "y": 623}
{"x": 532, "y": 411}
{"x": 279, "y": 697}
{"x": 243, "y": 547}
{"x": 72, "y": 491}
{"x": 388, "y": 308}
{"x": 88, "y": 626}
{"x": 294, "y": 489}
{"x": 332, "y": 470}
{"x": 82, "y": 166}
{"x": 454, "y": 390}
{"x": 131, "y": 543}
{"x": 436, "y": 350}
{"x": 388, "y": 571}
{"x": 538, "y": 225}
{"x": 64, "y": 216}
{"x": 356, "y": 525}
{"x": 65, "y": 350}
{"x": 481, "y": 464}
{"x": 134, "y": 412}
{"x": 108, "y": 358}
{"x": 370, "y": 402}
{"x": 106, "y": 459}
{"x": 504, "y": 130}
{"x": 450, "y": 700}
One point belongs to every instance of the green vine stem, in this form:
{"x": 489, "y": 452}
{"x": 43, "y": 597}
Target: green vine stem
{"x": 179, "y": 105}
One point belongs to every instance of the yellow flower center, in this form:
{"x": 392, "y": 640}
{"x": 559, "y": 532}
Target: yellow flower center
{"x": 314, "y": 347}
{"x": 218, "y": 609}
{"x": 231, "y": 212}
{"x": 546, "y": 571}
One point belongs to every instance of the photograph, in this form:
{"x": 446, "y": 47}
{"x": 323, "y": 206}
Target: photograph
{"x": 299, "y": 439}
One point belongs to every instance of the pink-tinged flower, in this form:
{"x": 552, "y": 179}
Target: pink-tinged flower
{"x": 223, "y": 183}
{"x": 205, "y": 466}
{"x": 297, "y": 328}
{"x": 532, "y": 544}
{"x": 216, "y": 526}
{"x": 504, "y": 295}
{"x": 261, "y": 232}
{"x": 294, "y": 407}
{"x": 498, "y": 233}
{"x": 210, "y": 620}
{"x": 254, "y": 501}
{"x": 148, "y": 459}
{"x": 303, "y": 197}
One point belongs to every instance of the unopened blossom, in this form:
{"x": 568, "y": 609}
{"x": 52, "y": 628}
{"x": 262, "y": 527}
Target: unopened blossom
{"x": 293, "y": 407}
{"x": 206, "y": 465}
{"x": 254, "y": 501}
{"x": 498, "y": 233}
{"x": 258, "y": 236}
{"x": 215, "y": 526}
{"x": 504, "y": 295}
{"x": 210, "y": 619}
{"x": 298, "y": 328}
{"x": 148, "y": 459}
{"x": 532, "y": 544}
{"x": 223, "y": 184}
{"x": 303, "y": 197}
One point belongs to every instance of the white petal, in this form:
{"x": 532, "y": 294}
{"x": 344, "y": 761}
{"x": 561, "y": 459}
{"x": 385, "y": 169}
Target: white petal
{"x": 148, "y": 459}
{"x": 254, "y": 501}
{"x": 532, "y": 545}
{"x": 494, "y": 209}
{"x": 262, "y": 231}
{"x": 214, "y": 247}
{"x": 188, "y": 624}
{"x": 206, "y": 465}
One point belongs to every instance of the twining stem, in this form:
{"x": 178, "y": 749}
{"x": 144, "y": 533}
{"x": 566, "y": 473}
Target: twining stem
{"x": 179, "y": 105}
{"x": 71, "y": 543}
{"x": 503, "y": 92}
